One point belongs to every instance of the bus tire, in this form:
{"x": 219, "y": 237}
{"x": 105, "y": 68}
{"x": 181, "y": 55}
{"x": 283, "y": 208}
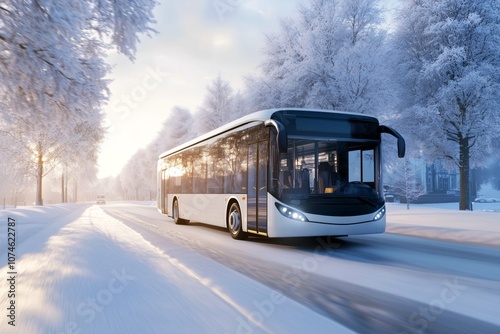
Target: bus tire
{"x": 235, "y": 223}
{"x": 176, "y": 213}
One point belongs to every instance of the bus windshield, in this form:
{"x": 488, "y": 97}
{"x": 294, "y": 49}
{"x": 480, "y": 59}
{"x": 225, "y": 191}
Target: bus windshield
{"x": 329, "y": 176}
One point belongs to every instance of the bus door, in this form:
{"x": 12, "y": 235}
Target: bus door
{"x": 257, "y": 187}
{"x": 164, "y": 192}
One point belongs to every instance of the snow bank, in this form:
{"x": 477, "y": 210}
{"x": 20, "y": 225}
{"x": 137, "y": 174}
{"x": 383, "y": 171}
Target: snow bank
{"x": 446, "y": 222}
{"x": 438, "y": 221}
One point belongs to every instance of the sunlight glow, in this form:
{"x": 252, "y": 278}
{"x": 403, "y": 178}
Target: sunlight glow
{"x": 221, "y": 40}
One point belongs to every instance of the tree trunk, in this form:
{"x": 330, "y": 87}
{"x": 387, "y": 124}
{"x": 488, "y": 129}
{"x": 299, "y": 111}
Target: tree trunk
{"x": 75, "y": 191}
{"x": 39, "y": 176}
{"x": 62, "y": 187}
{"x": 464, "y": 174}
{"x": 66, "y": 188}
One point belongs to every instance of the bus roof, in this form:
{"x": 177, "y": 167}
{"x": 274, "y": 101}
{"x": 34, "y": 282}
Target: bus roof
{"x": 259, "y": 116}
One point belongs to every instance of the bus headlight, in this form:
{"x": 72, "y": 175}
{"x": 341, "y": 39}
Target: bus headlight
{"x": 379, "y": 214}
{"x": 291, "y": 213}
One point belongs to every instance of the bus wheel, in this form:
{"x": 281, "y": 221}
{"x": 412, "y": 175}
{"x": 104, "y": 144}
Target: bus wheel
{"x": 175, "y": 213}
{"x": 234, "y": 222}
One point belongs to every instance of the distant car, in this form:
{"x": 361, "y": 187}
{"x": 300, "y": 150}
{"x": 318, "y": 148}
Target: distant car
{"x": 485, "y": 200}
{"x": 101, "y": 199}
{"x": 389, "y": 198}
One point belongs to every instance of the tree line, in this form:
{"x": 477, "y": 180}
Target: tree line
{"x": 53, "y": 85}
{"x": 433, "y": 73}
{"x": 434, "y": 76}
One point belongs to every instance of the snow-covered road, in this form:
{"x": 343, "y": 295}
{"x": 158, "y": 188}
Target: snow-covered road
{"x": 123, "y": 268}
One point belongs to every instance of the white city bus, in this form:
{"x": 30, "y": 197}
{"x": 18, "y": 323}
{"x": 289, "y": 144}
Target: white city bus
{"x": 280, "y": 173}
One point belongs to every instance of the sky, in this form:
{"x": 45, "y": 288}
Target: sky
{"x": 196, "y": 41}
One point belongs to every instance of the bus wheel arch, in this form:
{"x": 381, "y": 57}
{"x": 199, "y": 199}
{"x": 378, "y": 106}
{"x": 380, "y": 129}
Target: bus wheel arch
{"x": 234, "y": 220}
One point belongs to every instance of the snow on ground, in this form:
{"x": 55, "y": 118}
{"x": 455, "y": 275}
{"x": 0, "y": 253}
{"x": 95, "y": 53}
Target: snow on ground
{"x": 81, "y": 271}
{"x": 446, "y": 222}
{"x": 475, "y": 297}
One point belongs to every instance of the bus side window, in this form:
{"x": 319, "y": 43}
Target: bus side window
{"x": 200, "y": 172}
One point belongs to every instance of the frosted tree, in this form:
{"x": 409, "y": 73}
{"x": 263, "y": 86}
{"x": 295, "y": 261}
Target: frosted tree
{"x": 217, "y": 107}
{"x": 138, "y": 177}
{"x": 80, "y": 155}
{"x": 280, "y": 70}
{"x": 39, "y": 151}
{"x": 494, "y": 173}
{"x": 135, "y": 177}
{"x": 52, "y": 69}
{"x": 177, "y": 129}
{"x": 53, "y": 50}
{"x": 449, "y": 67}
{"x": 409, "y": 182}
{"x": 14, "y": 174}
{"x": 144, "y": 177}
{"x": 332, "y": 56}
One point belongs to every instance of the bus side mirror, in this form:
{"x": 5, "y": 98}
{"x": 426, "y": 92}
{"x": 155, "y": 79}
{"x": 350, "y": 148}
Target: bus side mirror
{"x": 401, "y": 140}
{"x": 281, "y": 137}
